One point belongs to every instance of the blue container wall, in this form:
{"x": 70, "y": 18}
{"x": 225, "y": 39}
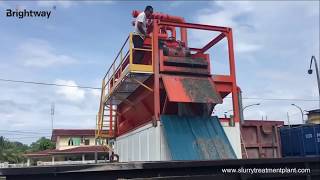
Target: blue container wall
{"x": 196, "y": 138}
{"x": 303, "y": 140}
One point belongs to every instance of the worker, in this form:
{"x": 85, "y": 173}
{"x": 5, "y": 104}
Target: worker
{"x": 140, "y": 32}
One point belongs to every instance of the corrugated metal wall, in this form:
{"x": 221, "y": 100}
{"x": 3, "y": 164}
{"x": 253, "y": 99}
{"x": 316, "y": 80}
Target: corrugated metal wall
{"x": 302, "y": 140}
{"x": 260, "y": 139}
{"x": 143, "y": 144}
{"x": 196, "y": 138}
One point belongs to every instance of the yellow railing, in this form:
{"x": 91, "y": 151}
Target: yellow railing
{"x": 121, "y": 66}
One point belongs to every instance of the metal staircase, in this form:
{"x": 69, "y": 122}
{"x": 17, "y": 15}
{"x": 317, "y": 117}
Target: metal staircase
{"x": 106, "y": 122}
{"x": 121, "y": 80}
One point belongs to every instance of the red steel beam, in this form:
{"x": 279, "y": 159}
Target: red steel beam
{"x": 222, "y": 78}
{"x": 156, "y": 89}
{"x": 235, "y": 100}
{"x": 212, "y": 43}
{"x": 196, "y": 26}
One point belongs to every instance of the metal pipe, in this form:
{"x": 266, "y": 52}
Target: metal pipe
{"x": 168, "y": 18}
{"x": 240, "y": 105}
{"x": 300, "y": 111}
{"x": 313, "y": 59}
{"x": 242, "y": 109}
{"x": 171, "y": 29}
{"x": 160, "y": 16}
{"x": 257, "y": 104}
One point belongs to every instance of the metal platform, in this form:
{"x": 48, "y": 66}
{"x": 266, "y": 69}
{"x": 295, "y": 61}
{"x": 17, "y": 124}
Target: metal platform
{"x": 122, "y": 78}
{"x": 170, "y": 170}
{"x": 126, "y": 85}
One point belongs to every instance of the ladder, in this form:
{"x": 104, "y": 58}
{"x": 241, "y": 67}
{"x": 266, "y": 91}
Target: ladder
{"x": 243, "y": 146}
{"x": 106, "y": 122}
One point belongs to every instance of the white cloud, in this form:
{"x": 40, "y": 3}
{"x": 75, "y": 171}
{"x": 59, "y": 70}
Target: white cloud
{"x": 243, "y": 47}
{"x": 68, "y": 4}
{"x": 175, "y": 4}
{"x": 70, "y": 93}
{"x": 255, "y": 24}
{"x": 2, "y": 4}
{"x": 96, "y": 92}
{"x": 227, "y": 15}
{"x": 273, "y": 44}
{"x": 39, "y": 53}
{"x": 99, "y": 2}
{"x": 61, "y": 3}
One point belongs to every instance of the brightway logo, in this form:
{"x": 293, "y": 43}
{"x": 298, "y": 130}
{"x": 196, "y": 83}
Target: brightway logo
{"x": 27, "y": 13}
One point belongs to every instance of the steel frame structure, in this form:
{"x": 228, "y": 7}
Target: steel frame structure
{"x": 225, "y": 84}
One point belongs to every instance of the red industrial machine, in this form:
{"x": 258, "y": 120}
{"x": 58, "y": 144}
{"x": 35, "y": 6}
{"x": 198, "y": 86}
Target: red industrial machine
{"x": 173, "y": 78}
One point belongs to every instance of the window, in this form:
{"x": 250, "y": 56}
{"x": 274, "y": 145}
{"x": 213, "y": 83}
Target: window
{"x": 86, "y": 142}
{"x": 70, "y": 142}
{"x": 74, "y": 141}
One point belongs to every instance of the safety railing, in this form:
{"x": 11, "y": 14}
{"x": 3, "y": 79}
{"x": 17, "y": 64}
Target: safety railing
{"x": 120, "y": 67}
{"x": 123, "y": 64}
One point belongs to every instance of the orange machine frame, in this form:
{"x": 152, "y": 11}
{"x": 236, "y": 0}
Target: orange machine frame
{"x": 224, "y": 84}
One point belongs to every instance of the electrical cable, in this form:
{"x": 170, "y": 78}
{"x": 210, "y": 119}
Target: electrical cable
{"x": 46, "y": 84}
{"x": 88, "y": 87}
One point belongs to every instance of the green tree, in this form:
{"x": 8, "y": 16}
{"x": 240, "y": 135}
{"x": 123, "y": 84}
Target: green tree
{"x": 13, "y": 152}
{"x": 42, "y": 144}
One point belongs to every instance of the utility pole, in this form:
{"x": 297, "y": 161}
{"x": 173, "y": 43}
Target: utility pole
{"x": 52, "y": 115}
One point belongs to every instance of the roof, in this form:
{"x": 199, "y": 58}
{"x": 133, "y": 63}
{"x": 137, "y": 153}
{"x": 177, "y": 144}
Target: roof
{"x": 81, "y": 149}
{"x": 71, "y": 132}
{"x": 314, "y": 111}
{"x": 75, "y": 150}
{"x": 40, "y": 153}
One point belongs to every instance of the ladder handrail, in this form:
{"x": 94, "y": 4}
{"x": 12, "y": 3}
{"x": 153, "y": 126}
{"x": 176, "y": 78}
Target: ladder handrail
{"x": 117, "y": 57}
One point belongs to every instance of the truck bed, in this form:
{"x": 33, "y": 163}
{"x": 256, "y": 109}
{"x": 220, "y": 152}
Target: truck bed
{"x": 170, "y": 170}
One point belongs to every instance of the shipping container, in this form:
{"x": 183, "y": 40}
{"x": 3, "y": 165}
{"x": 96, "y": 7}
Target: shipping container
{"x": 260, "y": 139}
{"x": 303, "y": 140}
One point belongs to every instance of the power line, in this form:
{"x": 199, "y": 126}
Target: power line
{"x": 29, "y": 130}
{"x": 88, "y": 87}
{"x": 280, "y": 99}
{"x": 29, "y": 137}
{"x": 277, "y": 99}
{"x": 23, "y": 132}
{"x": 46, "y": 84}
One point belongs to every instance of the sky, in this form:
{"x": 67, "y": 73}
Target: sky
{"x": 273, "y": 43}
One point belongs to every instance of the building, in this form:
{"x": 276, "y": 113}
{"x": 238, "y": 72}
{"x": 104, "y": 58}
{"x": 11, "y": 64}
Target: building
{"x": 73, "y": 146}
{"x": 314, "y": 116}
